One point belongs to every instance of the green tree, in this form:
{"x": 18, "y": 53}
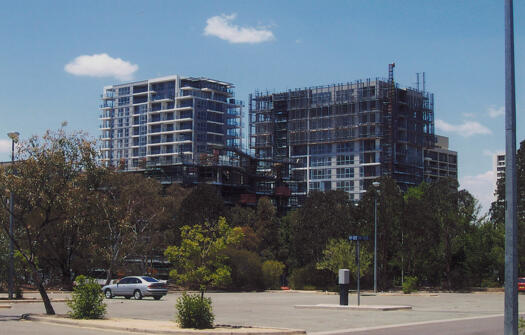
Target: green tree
{"x": 341, "y": 254}
{"x": 266, "y": 228}
{"x": 390, "y": 228}
{"x": 324, "y": 215}
{"x": 53, "y": 175}
{"x": 202, "y": 204}
{"x": 272, "y": 271}
{"x": 199, "y": 260}
{"x": 497, "y": 209}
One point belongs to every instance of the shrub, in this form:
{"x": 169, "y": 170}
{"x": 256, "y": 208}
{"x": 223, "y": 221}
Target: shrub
{"x": 309, "y": 277}
{"x": 272, "y": 271}
{"x": 521, "y": 326}
{"x": 490, "y": 283}
{"x": 87, "y": 300}
{"x": 246, "y": 271}
{"x": 194, "y": 311}
{"x": 409, "y": 285}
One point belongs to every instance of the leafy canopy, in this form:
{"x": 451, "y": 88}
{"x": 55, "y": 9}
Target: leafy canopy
{"x": 199, "y": 260}
{"x": 340, "y": 254}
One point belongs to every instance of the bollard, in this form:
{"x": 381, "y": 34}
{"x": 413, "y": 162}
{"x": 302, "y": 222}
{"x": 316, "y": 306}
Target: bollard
{"x": 344, "y": 283}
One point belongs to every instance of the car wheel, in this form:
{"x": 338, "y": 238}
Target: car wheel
{"x": 108, "y": 294}
{"x": 137, "y": 295}
{"x": 157, "y": 297}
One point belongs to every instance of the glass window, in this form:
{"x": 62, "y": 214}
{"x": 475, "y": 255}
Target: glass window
{"x": 345, "y": 173}
{"x": 320, "y": 161}
{"x": 125, "y": 281}
{"x": 150, "y": 279}
{"x": 346, "y": 185}
{"x": 123, "y": 90}
{"x": 319, "y": 174}
{"x": 315, "y": 186}
{"x": 123, "y": 101}
{"x": 345, "y": 147}
{"x": 345, "y": 159}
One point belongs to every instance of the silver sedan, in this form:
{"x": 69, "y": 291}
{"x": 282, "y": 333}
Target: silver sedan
{"x": 137, "y": 287}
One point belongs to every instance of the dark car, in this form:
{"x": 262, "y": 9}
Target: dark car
{"x": 137, "y": 287}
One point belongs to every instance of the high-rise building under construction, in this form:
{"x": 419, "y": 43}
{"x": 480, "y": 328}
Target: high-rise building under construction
{"x": 341, "y": 136}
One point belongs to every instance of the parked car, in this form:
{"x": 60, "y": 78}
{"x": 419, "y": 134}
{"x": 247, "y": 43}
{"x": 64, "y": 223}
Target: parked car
{"x": 137, "y": 287}
{"x": 521, "y": 284}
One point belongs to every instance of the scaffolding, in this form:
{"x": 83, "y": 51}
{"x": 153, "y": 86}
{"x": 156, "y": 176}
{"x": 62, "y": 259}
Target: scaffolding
{"x": 381, "y": 126}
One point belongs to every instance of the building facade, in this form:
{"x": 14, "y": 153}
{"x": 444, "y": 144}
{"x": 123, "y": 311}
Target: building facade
{"x": 440, "y": 162}
{"x": 342, "y": 136}
{"x": 168, "y": 120}
{"x": 498, "y": 166}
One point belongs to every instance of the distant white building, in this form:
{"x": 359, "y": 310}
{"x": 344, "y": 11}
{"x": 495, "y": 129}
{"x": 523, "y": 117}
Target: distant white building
{"x": 498, "y": 166}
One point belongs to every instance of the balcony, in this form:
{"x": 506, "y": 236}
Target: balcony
{"x": 107, "y": 96}
{"x": 106, "y": 105}
{"x": 162, "y": 98}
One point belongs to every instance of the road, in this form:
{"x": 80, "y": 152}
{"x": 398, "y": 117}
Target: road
{"x": 474, "y": 326}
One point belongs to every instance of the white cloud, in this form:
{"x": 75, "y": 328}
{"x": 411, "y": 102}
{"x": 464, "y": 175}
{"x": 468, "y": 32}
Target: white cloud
{"x": 494, "y": 111}
{"x": 5, "y": 146}
{"x": 469, "y": 115}
{"x": 101, "y": 65}
{"x": 482, "y": 187}
{"x": 221, "y": 27}
{"x": 466, "y": 129}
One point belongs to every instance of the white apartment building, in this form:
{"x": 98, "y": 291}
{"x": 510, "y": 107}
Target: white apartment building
{"x": 168, "y": 120}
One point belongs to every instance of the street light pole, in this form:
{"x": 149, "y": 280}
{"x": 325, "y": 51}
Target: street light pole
{"x": 511, "y": 229}
{"x": 14, "y": 138}
{"x": 376, "y": 185}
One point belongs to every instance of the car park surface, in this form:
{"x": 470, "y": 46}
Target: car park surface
{"x": 276, "y": 309}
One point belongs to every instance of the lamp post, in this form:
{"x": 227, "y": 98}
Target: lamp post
{"x": 511, "y": 190}
{"x": 14, "y": 138}
{"x": 376, "y": 185}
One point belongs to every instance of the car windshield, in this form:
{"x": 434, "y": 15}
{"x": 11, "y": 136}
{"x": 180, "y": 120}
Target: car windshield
{"x": 150, "y": 279}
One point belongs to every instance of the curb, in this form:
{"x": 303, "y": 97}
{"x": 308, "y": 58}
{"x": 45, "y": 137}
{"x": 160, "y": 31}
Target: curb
{"x": 105, "y": 324}
{"x": 355, "y": 307}
{"x": 31, "y": 301}
{"x": 5, "y": 306}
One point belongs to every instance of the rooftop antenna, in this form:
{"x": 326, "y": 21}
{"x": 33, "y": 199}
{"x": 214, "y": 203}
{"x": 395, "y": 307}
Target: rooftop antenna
{"x": 424, "y": 82}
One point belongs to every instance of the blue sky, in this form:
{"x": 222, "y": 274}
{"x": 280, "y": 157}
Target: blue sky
{"x": 262, "y": 45}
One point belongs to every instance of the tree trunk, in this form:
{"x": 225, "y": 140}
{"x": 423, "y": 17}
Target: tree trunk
{"x": 67, "y": 283}
{"x": 108, "y": 277}
{"x": 45, "y": 298}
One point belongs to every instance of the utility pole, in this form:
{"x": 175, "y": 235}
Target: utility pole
{"x": 376, "y": 185}
{"x": 511, "y": 229}
{"x": 10, "y": 277}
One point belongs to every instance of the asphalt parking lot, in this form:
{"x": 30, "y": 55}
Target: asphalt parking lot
{"x": 276, "y": 309}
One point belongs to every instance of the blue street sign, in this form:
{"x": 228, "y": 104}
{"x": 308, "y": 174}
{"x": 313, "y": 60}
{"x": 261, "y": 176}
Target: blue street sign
{"x": 358, "y": 238}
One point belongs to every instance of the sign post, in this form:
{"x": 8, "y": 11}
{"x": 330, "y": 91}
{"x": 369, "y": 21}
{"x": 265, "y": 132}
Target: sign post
{"x": 358, "y": 238}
